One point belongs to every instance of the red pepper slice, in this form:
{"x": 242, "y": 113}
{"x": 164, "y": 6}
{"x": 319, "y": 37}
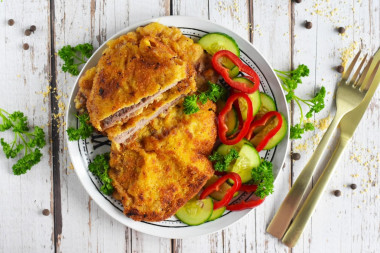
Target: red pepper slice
{"x": 224, "y": 72}
{"x": 222, "y": 127}
{"x": 262, "y": 122}
{"x": 229, "y": 194}
{"x": 245, "y": 205}
{"x": 248, "y": 188}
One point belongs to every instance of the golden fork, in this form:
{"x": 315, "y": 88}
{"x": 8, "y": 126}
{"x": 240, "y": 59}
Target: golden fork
{"x": 348, "y": 96}
{"x": 348, "y": 126}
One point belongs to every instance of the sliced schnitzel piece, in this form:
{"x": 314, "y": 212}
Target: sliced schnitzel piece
{"x": 136, "y": 69}
{"x": 121, "y": 133}
{"x": 166, "y": 165}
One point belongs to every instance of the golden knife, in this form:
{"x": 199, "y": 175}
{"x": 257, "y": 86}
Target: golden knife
{"x": 348, "y": 125}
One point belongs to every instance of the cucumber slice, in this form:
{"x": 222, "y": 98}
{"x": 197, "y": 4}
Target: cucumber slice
{"x": 214, "y": 42}
{"x": 218, "y": 195}
{"x": 196, "y": 211}
{"x": 267, "y": 105}
{"x": 225, "y": 149}
{"x": 217, "y": 213}
{"x": 276, "y": 139}
{"x": 234, "y": 72}
{"x": 232, "y": 122}
{"x": 255, "y": 99}
{"x": 248, "y": 159}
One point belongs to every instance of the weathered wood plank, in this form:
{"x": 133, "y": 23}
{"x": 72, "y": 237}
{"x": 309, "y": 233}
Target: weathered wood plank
{"x": 86, "y": 227}
{"x": 23, "y": 75}
{"x": 94, "y": 22}
{"x": 338, "y": 225}
{"x": 271, "y": 36}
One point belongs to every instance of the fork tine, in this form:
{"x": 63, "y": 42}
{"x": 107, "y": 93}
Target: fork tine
{"x": 364, "y": 74}
{"x": 349, "y": 70}
{"x": 366, "y": 85}
{"x": 356, "y": 75}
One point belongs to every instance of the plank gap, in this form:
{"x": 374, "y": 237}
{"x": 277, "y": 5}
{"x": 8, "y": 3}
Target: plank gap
{"x": 57, "y": 212}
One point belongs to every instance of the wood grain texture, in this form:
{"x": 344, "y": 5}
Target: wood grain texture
{"x": 23, "y": 75}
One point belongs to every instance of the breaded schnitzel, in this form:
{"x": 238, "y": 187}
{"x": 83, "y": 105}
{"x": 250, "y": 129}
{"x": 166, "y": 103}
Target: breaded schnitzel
{"x": 136, "y": 69}
{"x": 166, "y": 165}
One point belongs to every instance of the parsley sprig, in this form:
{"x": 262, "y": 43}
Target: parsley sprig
{"x": 74, "y": 57}
{"x": 30, "y": 142}
{"x": 290, "y": 81}
{"x": 84, "y": 131}
{"x": 222, "y": 162}
{"x": 263, "y": 177}
{"x": 214, "y": 93}
{"x": 99, "y": 167}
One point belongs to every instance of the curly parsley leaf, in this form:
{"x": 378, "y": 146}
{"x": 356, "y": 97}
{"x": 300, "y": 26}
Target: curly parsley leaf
{"x": 99, "y": 167}
{"x": 84, "y": 131}
{"x": 190, "y": 105}
{"x": 263, "y": 177}
{"x": 73, "y": 57}
{"x": 222, "y": 162}
{"x": 27, "y": 162}
{"x": 30, "y": 142}
{"x": 290, "y": 81}
{"x": 214, "y": 93}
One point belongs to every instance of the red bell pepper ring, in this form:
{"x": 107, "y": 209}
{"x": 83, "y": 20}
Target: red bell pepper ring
{"x": 248, "y": 188}
{"x": 229, "y": 194}
{"x": 262, "y": 122}
{"x": 224, "y": 72}
{"x": 223, "y": 128}
{"x": 245, "y": 205}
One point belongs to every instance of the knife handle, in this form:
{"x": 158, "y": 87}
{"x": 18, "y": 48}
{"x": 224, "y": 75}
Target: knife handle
{"x": 296, "y": 228}
{"x": 281, "y": 220}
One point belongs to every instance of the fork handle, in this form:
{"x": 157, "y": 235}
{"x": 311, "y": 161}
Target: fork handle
{"x": 289, "y": 206}
{"x": 296, "y": 228}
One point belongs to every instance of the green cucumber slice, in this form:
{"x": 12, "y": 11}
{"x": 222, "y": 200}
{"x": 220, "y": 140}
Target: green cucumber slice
{"x": 196, "y": 211}
{"x": 217, "y": 213}
{"x": 255, "y": 99}
{"x": 267, "y": 105}
{"x": 232, "y": 122}
{"x": 276, "y": 139}
{"x": 248, "y": 159}
{"x": 223, "y": 188}
{"x": 225, "y": 149}
{"x": 234, "y": 72}
{"x": 214, "y": 42}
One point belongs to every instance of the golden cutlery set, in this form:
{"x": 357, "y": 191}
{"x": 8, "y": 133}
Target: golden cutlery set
{"x": 353, "y": 96}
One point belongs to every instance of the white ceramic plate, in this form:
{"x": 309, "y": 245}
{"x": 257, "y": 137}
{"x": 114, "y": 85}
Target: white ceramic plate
{"x": 82, "y": 152}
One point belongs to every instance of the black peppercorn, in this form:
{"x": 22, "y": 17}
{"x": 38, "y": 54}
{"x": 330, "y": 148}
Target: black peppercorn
{"x": 25, "y": 46}
{"x": 27, "y": 32}
{"x": 341, "y": 30}
{"x": 101, "y": 91}
{"x": 46, "y": 212}
{"x": 340, "y": 69}
{"x": 337, "y": 193}
{"x": 296, "y": 156}
{"x": 298, "y": 1}
{"x": 353, "y": 186}
{"x": 32, "y": 28}
{"x": 11, "y": 22}
{"x": 308, "y": 25}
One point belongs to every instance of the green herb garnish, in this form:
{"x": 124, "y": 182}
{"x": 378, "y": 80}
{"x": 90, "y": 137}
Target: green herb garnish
{"x": 30, "y": 142}
{"x": 99, "y": 167}
{"x": 263, "y": 177}
{"x": 74, "y": 57}
{"x": 214, "y": 93}
{"x": 84, "y": 131}
{"x": 290, "y": 81}
{"x": 223, "y": 161}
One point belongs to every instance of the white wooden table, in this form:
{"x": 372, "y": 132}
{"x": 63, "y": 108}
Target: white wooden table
{"x": 350, "y": 223}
